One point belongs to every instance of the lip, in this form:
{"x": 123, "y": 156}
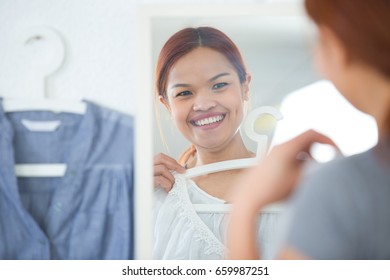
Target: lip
{"x": 206, "y": 116}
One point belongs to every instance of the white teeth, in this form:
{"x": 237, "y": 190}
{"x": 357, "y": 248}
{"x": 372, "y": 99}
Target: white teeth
{"x": 209, "y": 120}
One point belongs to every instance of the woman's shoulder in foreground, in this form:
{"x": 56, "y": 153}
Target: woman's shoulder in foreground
{"x": 345, "y": 184}
{"x": 335, "y": 203}
{"x": 345, "y": 172}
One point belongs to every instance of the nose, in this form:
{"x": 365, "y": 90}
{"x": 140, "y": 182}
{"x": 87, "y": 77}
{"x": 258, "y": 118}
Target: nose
{"x": 204, "y": 102}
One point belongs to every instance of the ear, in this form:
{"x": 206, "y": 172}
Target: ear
{"x": 245, "y": 86}
{"x": 164, "y": 102}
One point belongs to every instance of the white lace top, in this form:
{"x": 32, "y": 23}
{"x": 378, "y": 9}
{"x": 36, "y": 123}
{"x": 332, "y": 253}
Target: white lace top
{"x": 181, "y": 233}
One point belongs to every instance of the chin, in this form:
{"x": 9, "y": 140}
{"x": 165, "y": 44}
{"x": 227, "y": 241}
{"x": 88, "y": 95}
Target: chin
{"x": 211, "y": 146}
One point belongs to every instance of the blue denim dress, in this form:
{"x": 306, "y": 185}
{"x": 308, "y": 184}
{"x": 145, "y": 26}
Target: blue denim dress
{"x": 88, "y": 213}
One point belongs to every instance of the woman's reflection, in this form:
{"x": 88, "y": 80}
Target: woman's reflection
{"x": 202, "y": 81}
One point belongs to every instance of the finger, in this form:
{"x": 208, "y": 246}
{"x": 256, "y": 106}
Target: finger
{"x": 162, "y": 170}
{"x": 162, "y": 182}
{"x": 169, "y": 162}
{"x": 304, "y": 141}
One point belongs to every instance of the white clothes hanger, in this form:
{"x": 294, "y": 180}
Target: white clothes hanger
{"x": 53, "y": 105}
{"x": 40, "y": 170}
{"x": 262, "y": 146}
{"x": 226, "y": 208}
{"x": 40, "y": 101}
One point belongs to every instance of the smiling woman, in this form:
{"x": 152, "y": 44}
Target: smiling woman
{"x": 202, "y": 81}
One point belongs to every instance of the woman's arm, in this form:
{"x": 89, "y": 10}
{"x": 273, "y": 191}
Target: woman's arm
{"x": 272, "y": 180}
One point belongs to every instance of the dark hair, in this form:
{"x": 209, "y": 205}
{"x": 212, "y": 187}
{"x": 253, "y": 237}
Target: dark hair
{"x": 363, "y": 26}
{"x": 186, "y": 40}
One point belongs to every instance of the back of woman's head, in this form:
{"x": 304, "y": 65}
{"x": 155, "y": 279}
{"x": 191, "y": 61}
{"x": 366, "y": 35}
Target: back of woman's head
{"x": 363, "y": 26}
{"x": 186, "y": 40}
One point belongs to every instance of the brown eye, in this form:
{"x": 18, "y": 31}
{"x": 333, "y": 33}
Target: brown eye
{"x": 183, "y": 93}
{"x": 219, "y": 85}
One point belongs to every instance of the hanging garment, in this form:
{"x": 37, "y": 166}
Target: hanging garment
{"x": 181, "y": 233}
{"x": 88, "y": 213}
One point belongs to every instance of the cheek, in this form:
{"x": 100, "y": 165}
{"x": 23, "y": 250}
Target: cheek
{"x": 175, "y": 116}
{"x": 236, "y": 101}
{"x": 178, "y": 115}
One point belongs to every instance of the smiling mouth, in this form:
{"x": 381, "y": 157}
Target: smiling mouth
{"x": 208, "y": 121}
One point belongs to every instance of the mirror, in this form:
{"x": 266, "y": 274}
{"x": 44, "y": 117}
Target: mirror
{"x": 275, "y": 40}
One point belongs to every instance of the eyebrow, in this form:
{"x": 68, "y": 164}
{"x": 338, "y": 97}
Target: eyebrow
{"x": 180, "y": 85}
{"x": 218, "y": 76}
{"x": 210, "y": 80}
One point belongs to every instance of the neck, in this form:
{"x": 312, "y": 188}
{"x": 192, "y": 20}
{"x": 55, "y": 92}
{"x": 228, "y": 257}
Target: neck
{"x": 371, "y": 95}
{"x": 235, "y": 149}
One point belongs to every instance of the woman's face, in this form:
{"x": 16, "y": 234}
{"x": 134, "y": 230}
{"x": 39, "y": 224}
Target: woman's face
{"x": 205, "y": 98}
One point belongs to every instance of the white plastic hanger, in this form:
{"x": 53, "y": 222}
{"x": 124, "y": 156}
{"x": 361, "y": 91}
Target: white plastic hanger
{"x": 39, "y": 100}
{"x": 40, "y": 170}
{"x": 226, "y": 208}
{"x": 53, "y": 105}
{"x": 262, "y": 146}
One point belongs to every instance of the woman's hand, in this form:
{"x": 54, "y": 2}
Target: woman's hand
{"x": 272, "y": 180}
{"x": 277, "y": 175}
{"x": 163, "y": 166}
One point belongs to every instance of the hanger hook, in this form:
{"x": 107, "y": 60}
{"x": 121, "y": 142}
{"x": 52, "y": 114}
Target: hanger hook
{"x": 249, "y": 126}
{"x": 56, "y": 43}
{"x": 33, "y": 38}
{"x": 54, "y": 58}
